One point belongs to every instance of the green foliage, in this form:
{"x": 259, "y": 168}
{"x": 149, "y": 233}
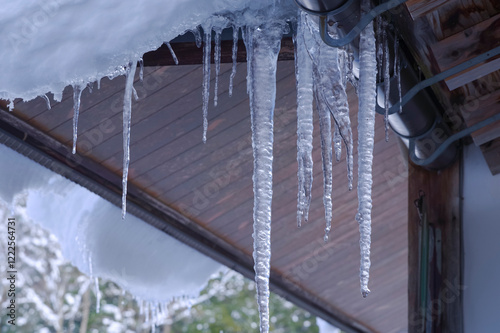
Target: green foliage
{"x": 230, "y": 306}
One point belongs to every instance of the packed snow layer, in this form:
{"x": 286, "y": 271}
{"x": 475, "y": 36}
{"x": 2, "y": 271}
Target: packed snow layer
{"x": 141, "y": 259}
{"x": 49, "y": 44}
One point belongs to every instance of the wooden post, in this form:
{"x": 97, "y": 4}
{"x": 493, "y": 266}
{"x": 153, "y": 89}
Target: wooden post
{"x": 442, "y": 311}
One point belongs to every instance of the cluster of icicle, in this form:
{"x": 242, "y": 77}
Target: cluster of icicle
{"x": 155, "y": 313}
{"x": 322, "y": 73}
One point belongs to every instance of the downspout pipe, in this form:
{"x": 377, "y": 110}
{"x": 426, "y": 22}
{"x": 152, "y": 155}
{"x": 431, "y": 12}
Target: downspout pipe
{"x": 420, "y": 121}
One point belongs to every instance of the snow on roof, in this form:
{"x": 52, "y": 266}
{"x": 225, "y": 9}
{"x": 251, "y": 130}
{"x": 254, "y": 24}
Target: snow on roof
{"x": 48, "y": 45}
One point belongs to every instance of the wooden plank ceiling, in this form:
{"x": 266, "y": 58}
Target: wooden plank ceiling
{"x": 443, "y": 34}
{"x": 212, "y": 185}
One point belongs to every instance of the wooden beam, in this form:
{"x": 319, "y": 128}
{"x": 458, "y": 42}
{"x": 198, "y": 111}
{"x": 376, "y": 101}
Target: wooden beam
{"x": 189, "y": 54}
{"x": 491, "y": 153}
{"x": 479, "y": 109}
{"x": 464, "y": 46}
{"x": 453, "y": 16}
{"x": 442, "y": 310}
{"x": 418, "y": 8}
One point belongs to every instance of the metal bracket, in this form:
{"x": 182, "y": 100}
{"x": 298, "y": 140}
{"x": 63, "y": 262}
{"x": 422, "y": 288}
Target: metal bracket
{"x": 429, "y": 82}
{"x": 443, "y": 75}
{"x": 363, "y": 22}
{"x": 442, "y": 147}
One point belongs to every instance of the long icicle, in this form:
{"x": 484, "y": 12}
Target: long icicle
{"x": 331, "y": 100}
{"x": 397, "y": 69}
{"x": 127, "y": 120}
{"x": 325, "y": 129}
{"x": 197, "y": 36}
{"x": 47, "y": 101}
{"x": 207, "y": 49}
{"x": 263, "y": 45}
{"x": 141, "y": 69}
{"x": 234, "y": 58}
{"x": 328, "y": 78}
{"x": 379, "y": 46}
{"x": 386, "y": 79}
{"x": 176, "y": 61}
{"x": 77, "y": 94}
{"x": 337, "y": 142}
{"x": 217, "y": 55}
{"x": 303, "y": 74}
{"x": 366, "y": 125}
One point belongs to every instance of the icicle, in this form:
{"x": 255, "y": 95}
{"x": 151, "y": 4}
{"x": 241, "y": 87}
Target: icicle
{"x": 10, "y": 105}
{"x": 58, "y": 96}
{"x": 206, "y": 79}
{"x": 127, "y": 120}
{"x": 325, "y": 128}
{"x": 47, "y": 100}
{"x": 379, "y": 46}
{"x": 99, "y": 84}
{"x": 303, "y": 74}
{"x": 249, "y": 48}
{"x": 387, "y": 79}
{"x": 97, "y": 295}
{"x": 328, "y": 79}
{"x": 331, "y": 99}
{"x": 197, "y": 37}
{"x": 176, "y": 61}
{"x": 343, "y": 65}
{"x": 263, "y": 45}
{"x": 337, "y": 142}
{"x": 90, "y": 266}
{"x": 217, "y": 63}
{"x": 77, "y": 94}
{"x": 141, "y": 307}
{"x": 134, "y": 92}
{"x": 141, "y": 70}
{"x": 146, "y": 313}
{"x": 234, "y": 57}
{"x": 397, "y": 69}
{"x": 350, "y": 71}
{"x": 366, "y": 124}
{"x": 154, "y": 314}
